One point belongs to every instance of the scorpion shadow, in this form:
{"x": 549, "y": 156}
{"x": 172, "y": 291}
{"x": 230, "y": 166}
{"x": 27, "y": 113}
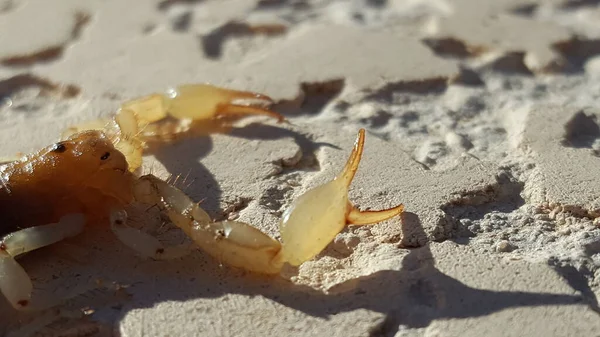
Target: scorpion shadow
{"x": 183, "y": 159}
{"x": 414, "y": 294}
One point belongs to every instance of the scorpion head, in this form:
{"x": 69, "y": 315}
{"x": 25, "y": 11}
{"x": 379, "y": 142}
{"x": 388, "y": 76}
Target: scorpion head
{"x": 91, "y": 160}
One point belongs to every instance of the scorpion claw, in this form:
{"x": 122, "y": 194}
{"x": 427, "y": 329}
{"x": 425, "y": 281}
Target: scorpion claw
{"x": 316, "y": 217}
{"x": 163, "y": 116}
{"x": 357, "y": 217}
{"x": 243, "y": 110}
{"x": 237, "y": 94}
{"x": 347, "y": 174}
{"x": 204, "y": 102}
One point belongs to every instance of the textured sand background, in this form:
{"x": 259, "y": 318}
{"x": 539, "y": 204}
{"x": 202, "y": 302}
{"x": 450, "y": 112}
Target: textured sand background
{"x": 482, "y": 118}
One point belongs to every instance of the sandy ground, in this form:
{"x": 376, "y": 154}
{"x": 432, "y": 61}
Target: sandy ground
{"x": 482, "y": 119}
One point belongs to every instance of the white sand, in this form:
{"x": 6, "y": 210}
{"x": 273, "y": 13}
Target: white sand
{"x": 482, "y": 119}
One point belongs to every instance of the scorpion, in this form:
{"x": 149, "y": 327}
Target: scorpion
{"x": 93, "y": 175}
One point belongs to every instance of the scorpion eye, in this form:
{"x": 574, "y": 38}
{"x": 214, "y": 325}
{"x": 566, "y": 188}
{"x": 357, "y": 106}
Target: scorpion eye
{"x": 59, "y": 148}
{"x": 105, "y": 156}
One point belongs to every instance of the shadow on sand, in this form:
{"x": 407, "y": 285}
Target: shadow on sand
{"x": 413, "y": 296}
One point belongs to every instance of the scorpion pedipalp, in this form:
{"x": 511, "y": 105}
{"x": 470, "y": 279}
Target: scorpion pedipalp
{"x": 307, "y": 226}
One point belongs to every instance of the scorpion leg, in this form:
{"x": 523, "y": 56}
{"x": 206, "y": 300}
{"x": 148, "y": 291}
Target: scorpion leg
{"x": 15, "y": 284}
{"x": 142, "y": 242}
{"x": 316, "y": 217}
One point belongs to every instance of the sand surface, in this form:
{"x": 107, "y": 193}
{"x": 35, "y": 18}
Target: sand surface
{"x": 481, "y": 115}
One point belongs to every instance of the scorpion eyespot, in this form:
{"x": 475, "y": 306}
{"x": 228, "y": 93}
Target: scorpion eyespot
{"x": 59, "y": 148}
{"x": 105, "y": 156}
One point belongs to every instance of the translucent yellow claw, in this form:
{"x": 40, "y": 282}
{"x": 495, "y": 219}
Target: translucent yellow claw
{"x": 316, "y": 217}
{"x": 198, "y": 102}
